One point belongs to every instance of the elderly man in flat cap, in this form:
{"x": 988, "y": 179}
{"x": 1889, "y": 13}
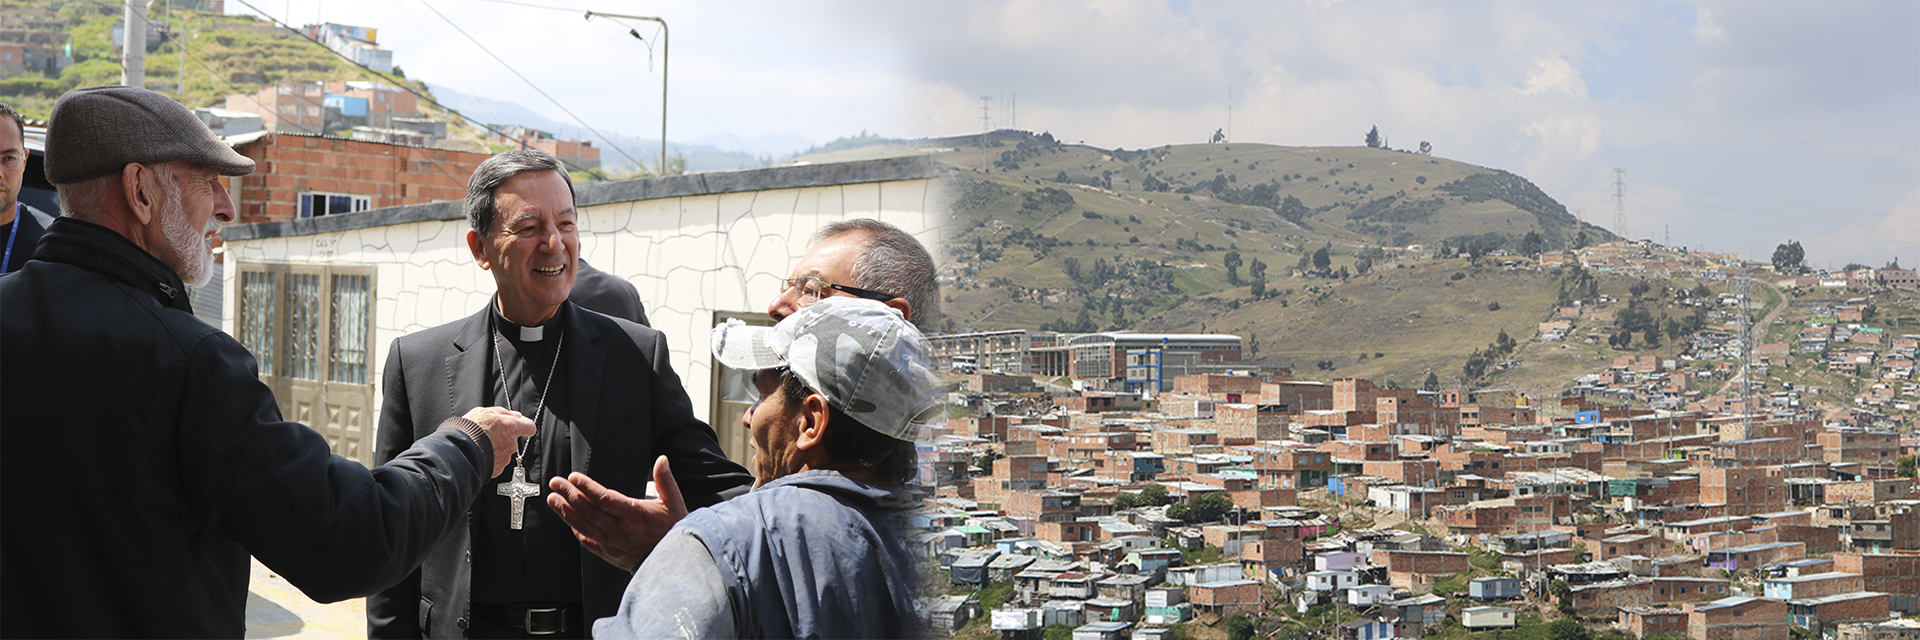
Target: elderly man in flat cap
{"x": 143, "y": 460}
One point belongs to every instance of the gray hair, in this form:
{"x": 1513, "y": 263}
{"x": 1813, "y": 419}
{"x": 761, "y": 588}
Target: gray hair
{"x": 85, "y": 199}
{"x": 893, "y": 262}
{"x": 496, "y": 171}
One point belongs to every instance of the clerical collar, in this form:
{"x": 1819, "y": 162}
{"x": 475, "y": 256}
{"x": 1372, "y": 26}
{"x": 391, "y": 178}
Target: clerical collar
{"x": 525, "y": 334}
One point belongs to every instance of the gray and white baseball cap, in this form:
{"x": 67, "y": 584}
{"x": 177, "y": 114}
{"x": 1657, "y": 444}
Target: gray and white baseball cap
{"x": 863, "y": 356}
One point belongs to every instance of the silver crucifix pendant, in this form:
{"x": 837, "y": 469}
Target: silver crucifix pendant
{"x": 517, "y": 492}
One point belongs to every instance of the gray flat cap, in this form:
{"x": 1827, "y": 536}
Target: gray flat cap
{"x": 96, "y": 131}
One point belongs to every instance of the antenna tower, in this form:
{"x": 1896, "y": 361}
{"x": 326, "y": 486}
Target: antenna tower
{"x": 986, "y": 113}
{"x": 1620, "y": 203}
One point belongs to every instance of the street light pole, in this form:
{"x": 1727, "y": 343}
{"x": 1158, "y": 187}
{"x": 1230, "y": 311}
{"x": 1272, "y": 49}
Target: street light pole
{"x": 665, "y": 52}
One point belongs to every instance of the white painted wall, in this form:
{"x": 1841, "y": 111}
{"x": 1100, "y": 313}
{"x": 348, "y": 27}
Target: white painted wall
{"x": 689, "y": 256}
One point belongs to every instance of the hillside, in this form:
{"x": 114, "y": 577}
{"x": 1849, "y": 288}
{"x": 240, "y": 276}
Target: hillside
{"x": 1074, "y": 238}
{"x": 224, "y": 54}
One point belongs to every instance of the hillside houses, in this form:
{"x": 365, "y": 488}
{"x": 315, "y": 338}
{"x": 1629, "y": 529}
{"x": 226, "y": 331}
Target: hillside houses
{"x": 1128, "y": 490}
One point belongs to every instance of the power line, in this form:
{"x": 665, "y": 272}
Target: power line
{"x": 536, "y": 88}
{"x": 403, "y": 87}
{"x": 683, "y": 98}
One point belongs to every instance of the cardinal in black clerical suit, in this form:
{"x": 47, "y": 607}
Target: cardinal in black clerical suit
{"x": 601, "y": 392}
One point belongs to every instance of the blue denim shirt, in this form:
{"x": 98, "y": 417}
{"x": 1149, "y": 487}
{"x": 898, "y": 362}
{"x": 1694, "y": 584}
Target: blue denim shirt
{"x": 811, "y": 555}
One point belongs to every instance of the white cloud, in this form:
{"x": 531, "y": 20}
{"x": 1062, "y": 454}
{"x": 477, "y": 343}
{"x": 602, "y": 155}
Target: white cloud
{"x": 1554, "y": 75}
{"x": 1704, "y": 28}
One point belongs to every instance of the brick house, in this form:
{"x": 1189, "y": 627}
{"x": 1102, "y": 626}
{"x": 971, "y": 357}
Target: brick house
{"x": 1819, "y": 612}
{"x": 1886, "y": 573}
{"x": 1601, "y": 596}
{"x": 287, "y": 107}
{"x": 1738, "y": 618}
{"x": 1755, "y": 556}
{"x": 1667, "y": 589}
{"x": 1226, "y": 597}
{"x": 1813, "y": 584}
{"x": 1852, "y": 444}
{"x": 1417, "y": 570}
{"x": 1641, "y": 622}
{"x": 309, "y": 176}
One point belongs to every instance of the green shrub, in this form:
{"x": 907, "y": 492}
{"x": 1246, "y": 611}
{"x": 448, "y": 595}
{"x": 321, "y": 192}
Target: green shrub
{"x": 30, "y": 86}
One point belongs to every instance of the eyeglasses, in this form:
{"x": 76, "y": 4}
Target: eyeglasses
{"x": 812, "y": 289}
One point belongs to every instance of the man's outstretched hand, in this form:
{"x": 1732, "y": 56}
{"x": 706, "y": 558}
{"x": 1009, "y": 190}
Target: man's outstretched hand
{"x": 620, "y": 529}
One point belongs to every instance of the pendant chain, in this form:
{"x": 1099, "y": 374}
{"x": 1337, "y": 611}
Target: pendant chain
{"x": 520, "y": 452}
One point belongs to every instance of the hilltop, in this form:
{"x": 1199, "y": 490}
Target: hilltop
{"x": 1340, "y": 260}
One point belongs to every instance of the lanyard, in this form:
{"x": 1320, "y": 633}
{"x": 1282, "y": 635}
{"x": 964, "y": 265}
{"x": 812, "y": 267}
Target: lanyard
{"x": 18, "y": 210}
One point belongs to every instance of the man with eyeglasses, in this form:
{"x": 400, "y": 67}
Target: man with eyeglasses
{"x": 882, "y": 263}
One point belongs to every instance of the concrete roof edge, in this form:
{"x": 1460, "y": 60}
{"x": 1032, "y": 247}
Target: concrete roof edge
{"x": 695, "y": 184}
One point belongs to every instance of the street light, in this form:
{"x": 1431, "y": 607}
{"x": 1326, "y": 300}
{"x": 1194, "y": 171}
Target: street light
{"x": 664, "y": 50}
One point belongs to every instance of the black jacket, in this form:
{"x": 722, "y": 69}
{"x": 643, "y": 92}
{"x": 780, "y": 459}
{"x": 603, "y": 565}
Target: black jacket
{"x": 144, "y": 461}
{"x": 627, "y": 407}
{"x": 597, "y": 290}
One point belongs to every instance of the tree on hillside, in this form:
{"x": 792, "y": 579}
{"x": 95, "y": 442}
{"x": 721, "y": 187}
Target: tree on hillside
{"x": 1789, "y": 257}
{"x": 1322, "y": 259}
{"x": 1432, "y": 383}
{"x": 1580, "y": 239}
{"x": 1293, "y": 209}
{"x": 1426, "y": 148}
{"x": 1206, "y": 508}
{"x": 1072, "y": 266}
{"x": 1533, "y": 244}
{"x": 1258, "y": 272}
{"x": 1232, "y": 262}
{"x": 1373, "y": 137}
{"x": 1363, "y": 265}
{"x": 1154, "y": 494}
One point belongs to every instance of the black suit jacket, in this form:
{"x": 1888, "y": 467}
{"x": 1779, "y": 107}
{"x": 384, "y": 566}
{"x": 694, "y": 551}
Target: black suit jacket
{"x": 628, "y": 407}
{"x": 608, "y": 294}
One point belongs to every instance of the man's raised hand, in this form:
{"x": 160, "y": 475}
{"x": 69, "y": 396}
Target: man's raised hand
{"x": 620, "y": 529}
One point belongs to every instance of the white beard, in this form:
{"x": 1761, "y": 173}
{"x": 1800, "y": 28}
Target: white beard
{"x": 190, "y": 248}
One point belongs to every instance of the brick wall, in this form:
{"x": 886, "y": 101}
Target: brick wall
{"x": 1606, "y": 596}
{"x": 1885, "y": 573}
{"x": 1756, "y": 619}
{"x": 1645, "y": 621}
{"x": 1871, "y": 607}
{"x": 287, "y": 165}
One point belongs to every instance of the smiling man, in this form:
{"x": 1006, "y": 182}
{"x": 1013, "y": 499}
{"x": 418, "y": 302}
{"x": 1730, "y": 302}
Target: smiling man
{"x": 601, "y": 393}
{"x": 151, "y": 458}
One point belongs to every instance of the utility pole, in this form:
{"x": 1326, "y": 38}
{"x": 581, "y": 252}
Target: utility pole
{"x": 666, "y": 52}
{"x": 133, "y": 52}
{"x": 1620, "y": 203}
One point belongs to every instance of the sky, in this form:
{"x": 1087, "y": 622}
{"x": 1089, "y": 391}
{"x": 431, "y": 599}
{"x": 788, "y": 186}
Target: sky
{"x": 1737, "y": 124}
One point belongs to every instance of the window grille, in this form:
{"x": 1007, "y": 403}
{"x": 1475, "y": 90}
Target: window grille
{"x": 256, "y": 317}
{"x": 350, "y": 323}
{"x": 303, "y": 326}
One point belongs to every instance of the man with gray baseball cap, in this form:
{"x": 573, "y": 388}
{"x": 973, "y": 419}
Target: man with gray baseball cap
{"x": 145, "y": 460}
{"x": 815, "y": 550}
